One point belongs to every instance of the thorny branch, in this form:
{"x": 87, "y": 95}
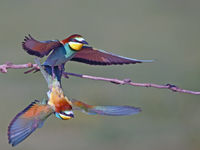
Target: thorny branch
{"x": 4, "y": 69}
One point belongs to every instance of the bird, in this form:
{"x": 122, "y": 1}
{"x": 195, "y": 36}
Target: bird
{"x": 35, "y": 114}
{"x": 73, "y": 48}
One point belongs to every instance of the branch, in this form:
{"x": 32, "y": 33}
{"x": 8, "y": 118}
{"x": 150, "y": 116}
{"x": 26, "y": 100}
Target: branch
{"x": 174, "y": 88}
{"x": 171, "y": 87}
{"x": 8, "y": 65}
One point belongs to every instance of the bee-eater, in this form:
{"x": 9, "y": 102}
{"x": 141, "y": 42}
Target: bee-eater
{"x": 33, "y": 116}
{"x": 74, "y": 48}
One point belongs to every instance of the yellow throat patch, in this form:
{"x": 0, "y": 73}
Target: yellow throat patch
{"x": 75, "y": 45}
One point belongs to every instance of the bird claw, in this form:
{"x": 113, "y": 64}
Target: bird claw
{"x": 9, "y": 63}
{"x": 65, "y": 75}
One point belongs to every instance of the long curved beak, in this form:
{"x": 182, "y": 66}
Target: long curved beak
{"x": 84, "y": 42}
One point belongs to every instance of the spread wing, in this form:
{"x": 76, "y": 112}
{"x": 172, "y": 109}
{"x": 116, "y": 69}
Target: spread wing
{"x": 93, "y": 56}
{"x": 27, "y": 121}
{"x": 39, "y": 48}
{"x": 105, "y": 110}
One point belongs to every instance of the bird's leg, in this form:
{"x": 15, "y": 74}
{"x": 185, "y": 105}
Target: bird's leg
{"x": 63, "y": 71}
{"x": 52, "y": 70}
{"x": 59, "y": 71}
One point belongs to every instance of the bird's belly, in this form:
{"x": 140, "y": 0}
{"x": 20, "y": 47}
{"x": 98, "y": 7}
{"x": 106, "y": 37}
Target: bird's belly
{"x": 58, "y": 57}
{"x": 60, "y": 61}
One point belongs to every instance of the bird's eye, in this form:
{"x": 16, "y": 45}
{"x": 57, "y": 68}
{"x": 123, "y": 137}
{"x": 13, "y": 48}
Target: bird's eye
{"x": 65, "y": 115}
{"x": 73, "y": 40}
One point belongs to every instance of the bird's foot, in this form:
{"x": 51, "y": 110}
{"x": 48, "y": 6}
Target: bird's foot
{"x": 65, "y": 75}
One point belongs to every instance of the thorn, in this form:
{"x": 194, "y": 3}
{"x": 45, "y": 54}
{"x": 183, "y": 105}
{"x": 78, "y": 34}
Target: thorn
{"x": 171, "y": 85}
{"x": 115, "y": 82}
{"x": 30, "y": 65}
{"x": 9, "y": 63}
{"x": 31, "y": 70}
{"x": 127, "y": 80}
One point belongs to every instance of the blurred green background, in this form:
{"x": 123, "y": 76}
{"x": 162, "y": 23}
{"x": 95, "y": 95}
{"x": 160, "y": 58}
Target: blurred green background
{"x": 165, "y": 30}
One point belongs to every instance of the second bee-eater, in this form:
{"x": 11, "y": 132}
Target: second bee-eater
{"x": 33, "y": 116}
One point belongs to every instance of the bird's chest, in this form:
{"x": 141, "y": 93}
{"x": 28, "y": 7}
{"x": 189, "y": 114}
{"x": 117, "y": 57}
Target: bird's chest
{"x": 59, "y": 56}
{"x": 59, "y": 102}
{"x": 69, "y": 53}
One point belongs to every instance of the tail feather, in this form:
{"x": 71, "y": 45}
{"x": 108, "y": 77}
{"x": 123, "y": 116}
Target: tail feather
{"x": 105, "y": 110}
{"x": 113, "y": 110}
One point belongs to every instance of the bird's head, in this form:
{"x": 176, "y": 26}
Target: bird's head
{"x": 75, "y": 42}
{"x": 65, "y": 115}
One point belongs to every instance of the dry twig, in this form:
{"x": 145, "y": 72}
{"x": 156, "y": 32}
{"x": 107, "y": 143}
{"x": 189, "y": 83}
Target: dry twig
{"x": 174, "y": 88}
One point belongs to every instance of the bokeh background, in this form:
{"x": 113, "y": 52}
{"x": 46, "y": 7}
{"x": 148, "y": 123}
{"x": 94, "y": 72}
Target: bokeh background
{"x": 165, "y": 30}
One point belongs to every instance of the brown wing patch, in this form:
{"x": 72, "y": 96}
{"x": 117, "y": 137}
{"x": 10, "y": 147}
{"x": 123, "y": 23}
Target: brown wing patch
{"x": 39, "y": 48}
{"x": 36, "y": 110}
{"x": 93, "y": 56}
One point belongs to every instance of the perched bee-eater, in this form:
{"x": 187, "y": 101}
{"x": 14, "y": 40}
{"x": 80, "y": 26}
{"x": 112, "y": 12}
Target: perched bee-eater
{"x": 74, "y": 48}
{"x": 33, "y": 116}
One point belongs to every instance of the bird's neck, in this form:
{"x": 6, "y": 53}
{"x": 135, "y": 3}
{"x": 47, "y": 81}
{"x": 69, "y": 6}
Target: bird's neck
{"x": 69, "y": 52}
{"x": 69, "y": 49}
{"x": 58, "y": 101}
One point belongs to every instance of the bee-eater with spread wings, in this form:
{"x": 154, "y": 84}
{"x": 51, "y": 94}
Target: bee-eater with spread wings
{"x": 74, "y": 48}
{"x": 33, "y": 116}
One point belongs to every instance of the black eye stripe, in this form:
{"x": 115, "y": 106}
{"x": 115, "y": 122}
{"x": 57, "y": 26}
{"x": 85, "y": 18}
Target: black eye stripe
{"x": 74, "y": 40}
{"x": 63, "y": 113}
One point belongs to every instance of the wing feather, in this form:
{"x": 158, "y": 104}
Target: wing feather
{"x": 39, "y": 48}
{"x": 27, "y": 121}
{"x": 92, "y": 56}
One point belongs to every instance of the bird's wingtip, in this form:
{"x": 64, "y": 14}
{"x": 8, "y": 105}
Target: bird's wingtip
{"x": 148, "y": 61}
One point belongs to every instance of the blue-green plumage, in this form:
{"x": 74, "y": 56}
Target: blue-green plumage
{"x": 59, "y": 56}
{"x": 57, "y": 60}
